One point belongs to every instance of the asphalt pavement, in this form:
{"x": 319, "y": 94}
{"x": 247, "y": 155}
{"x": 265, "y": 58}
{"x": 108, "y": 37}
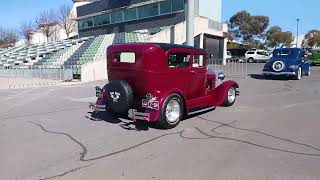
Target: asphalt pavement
{"x": 272, "y": 132}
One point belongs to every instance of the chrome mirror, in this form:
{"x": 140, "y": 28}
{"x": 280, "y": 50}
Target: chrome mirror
{"x": 221, "y": 76}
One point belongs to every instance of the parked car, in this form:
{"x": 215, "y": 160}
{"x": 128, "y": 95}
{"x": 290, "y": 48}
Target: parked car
{"x": 315, "y": 58}
{"x": 229, "y": 56}
{"x": 289, "y": 62}
{"x": 162, "y": 83}
{"x": 257, "y": 56}
{"x": 238, "y": 54}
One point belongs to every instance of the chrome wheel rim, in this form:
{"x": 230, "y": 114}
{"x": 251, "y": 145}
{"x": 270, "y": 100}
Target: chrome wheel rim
{"x": 299, "y": 73}
{"x": 231, "y": 95}
{"x": 173, "y": 111}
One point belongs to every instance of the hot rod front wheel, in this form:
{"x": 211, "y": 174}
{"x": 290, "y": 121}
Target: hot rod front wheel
{"x": 171, "y": 112}
{"x": 231, "y": 97}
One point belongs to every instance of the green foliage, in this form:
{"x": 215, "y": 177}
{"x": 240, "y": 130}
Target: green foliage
{"x": 246, "y": 27}
{"x": 276, "y": 38}
{"x": 315, "y": 57}
{"x": 312, "y": 38}
{"x": 233, "y": 45}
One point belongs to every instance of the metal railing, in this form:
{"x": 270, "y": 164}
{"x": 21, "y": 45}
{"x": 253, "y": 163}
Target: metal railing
{"x": 52, "y": 73}
{"x": 232, "y": 69}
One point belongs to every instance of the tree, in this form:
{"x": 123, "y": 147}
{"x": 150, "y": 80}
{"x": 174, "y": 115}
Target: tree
{"x": 46, "y": 22}
{"x": 8, "y": 38}
{"x": 276, "y": 38}
{"x": 66, "y": 19}
{"x": 26, "y": 30}
{"x": 248, "y": 28}
{"x": 312, "y": 38}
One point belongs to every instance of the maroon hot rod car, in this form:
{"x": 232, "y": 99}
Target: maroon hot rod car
{"x": 163, "y": 83}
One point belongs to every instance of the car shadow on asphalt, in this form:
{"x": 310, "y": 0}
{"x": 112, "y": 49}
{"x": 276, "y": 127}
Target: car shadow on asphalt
{"x": 262, "y": 77}
{"x": 123, "y": 122}
{"x": 127, "y": 124}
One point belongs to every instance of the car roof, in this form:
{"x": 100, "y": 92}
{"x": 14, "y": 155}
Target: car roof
{"x": 296, "y": 49}
{"x": 167, "y": 46}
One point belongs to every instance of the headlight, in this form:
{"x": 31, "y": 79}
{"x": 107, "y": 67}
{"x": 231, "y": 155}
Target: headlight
{"x": 293, "y": 67}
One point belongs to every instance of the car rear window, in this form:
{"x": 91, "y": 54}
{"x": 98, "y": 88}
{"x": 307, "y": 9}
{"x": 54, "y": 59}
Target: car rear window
{"x": 250, "y": 52}
{"x": 285, "y": 53}
{"x": 126, "y": 57}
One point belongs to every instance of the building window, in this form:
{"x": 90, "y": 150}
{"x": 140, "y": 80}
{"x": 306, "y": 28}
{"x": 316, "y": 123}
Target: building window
{"x": 130, "y": 14}
{"x": 101, "y": 20}
{"x": 165, "y": 7}
{"x": 148, "y": 10}
{"x": 85, "y": 23}
{"x": 117, "y": 17}
{"x": 177, "y": 5}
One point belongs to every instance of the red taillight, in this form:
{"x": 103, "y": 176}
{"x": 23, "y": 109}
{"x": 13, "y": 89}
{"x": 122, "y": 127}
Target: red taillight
{"x": 104, "y": 93}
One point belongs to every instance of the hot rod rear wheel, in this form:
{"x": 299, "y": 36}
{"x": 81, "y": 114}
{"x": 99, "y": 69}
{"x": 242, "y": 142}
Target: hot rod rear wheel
{"x": 231, "y": 97}
{"x": 171, "y": 112}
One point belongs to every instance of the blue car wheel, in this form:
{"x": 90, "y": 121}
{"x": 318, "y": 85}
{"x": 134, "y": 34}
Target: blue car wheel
{"x": 298, "y": 74}
{"x": 309, "y": 71}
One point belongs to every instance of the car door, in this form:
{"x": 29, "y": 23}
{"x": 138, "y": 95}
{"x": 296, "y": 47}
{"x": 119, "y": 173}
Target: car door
{"x": 198, "y": 76}
{"x": 179, "y": 73}
{"x": 260, "y": 56}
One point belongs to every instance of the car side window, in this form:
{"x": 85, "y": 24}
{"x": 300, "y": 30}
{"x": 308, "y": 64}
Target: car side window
{"x": 180, "y": 60}
{"x": 198, "y": 60}
{"x": 260, "y": 53}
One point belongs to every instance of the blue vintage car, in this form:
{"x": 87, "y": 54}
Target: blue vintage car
{"x": 290, "y": 62}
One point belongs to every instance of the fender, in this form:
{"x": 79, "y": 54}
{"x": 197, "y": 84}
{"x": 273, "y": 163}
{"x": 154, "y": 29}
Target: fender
{"x": 221, "y": 92}
{"x": 162, "y": 95}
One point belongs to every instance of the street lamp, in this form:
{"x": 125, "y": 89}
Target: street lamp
{"x": 297, "y": 38}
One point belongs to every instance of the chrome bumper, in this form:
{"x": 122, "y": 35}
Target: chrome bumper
{"x": 135, "y": 115}
{"x": 97, "y": 108}
{"x": 278, "y": 73}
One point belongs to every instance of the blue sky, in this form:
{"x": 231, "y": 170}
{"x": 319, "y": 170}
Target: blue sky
{"x": 13, "y": 12}
{"x": 281, "y": 12}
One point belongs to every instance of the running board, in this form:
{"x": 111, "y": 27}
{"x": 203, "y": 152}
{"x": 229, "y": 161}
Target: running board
{"x": 202, "y": 110}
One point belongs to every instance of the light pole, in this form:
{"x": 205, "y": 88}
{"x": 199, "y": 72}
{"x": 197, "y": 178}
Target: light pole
{"x": 297, "y": 38}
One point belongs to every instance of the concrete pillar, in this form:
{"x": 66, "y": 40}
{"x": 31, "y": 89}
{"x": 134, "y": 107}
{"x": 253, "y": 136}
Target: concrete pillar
{"x": 201, "y": 40}
{"x": 189, "y": 6}
{"x": 224, "y": 61}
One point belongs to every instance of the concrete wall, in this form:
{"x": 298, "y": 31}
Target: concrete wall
{"x": 94, "y": 71}
{"x": 209, "y": 8}
{"x": 203, "y": 27}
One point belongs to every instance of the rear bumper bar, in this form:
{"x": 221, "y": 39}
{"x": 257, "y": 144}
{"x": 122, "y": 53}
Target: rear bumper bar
{"x": 135, "y": 115}
{"x": 278, "y": 73}
{"x": 97, "y": 108}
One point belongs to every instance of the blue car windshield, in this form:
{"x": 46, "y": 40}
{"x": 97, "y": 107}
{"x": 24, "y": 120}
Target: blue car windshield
{"x": 285, "y": 53}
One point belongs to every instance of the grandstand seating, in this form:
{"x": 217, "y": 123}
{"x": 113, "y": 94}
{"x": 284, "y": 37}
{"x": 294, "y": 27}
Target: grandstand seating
{"x": 68, "y": 54}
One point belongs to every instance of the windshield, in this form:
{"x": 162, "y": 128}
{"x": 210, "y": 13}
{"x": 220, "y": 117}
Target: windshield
{"x": 285, "y": 53}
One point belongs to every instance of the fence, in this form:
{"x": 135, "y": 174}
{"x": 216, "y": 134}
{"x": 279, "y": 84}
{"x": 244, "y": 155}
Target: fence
{"x": 232, "y": 69}
{"x": 52, "y": 74}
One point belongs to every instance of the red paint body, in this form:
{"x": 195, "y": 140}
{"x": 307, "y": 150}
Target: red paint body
{"x": 151, "y": 74}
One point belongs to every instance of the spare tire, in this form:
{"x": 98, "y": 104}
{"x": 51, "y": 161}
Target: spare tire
{"x": 119, "y": 96}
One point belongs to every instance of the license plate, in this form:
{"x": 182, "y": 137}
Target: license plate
{"x": 150, "y": 104}
{"x": 98, "y": 92}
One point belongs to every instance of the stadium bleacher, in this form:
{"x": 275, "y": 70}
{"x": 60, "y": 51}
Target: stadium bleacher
{"x": 67, "y": 54}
